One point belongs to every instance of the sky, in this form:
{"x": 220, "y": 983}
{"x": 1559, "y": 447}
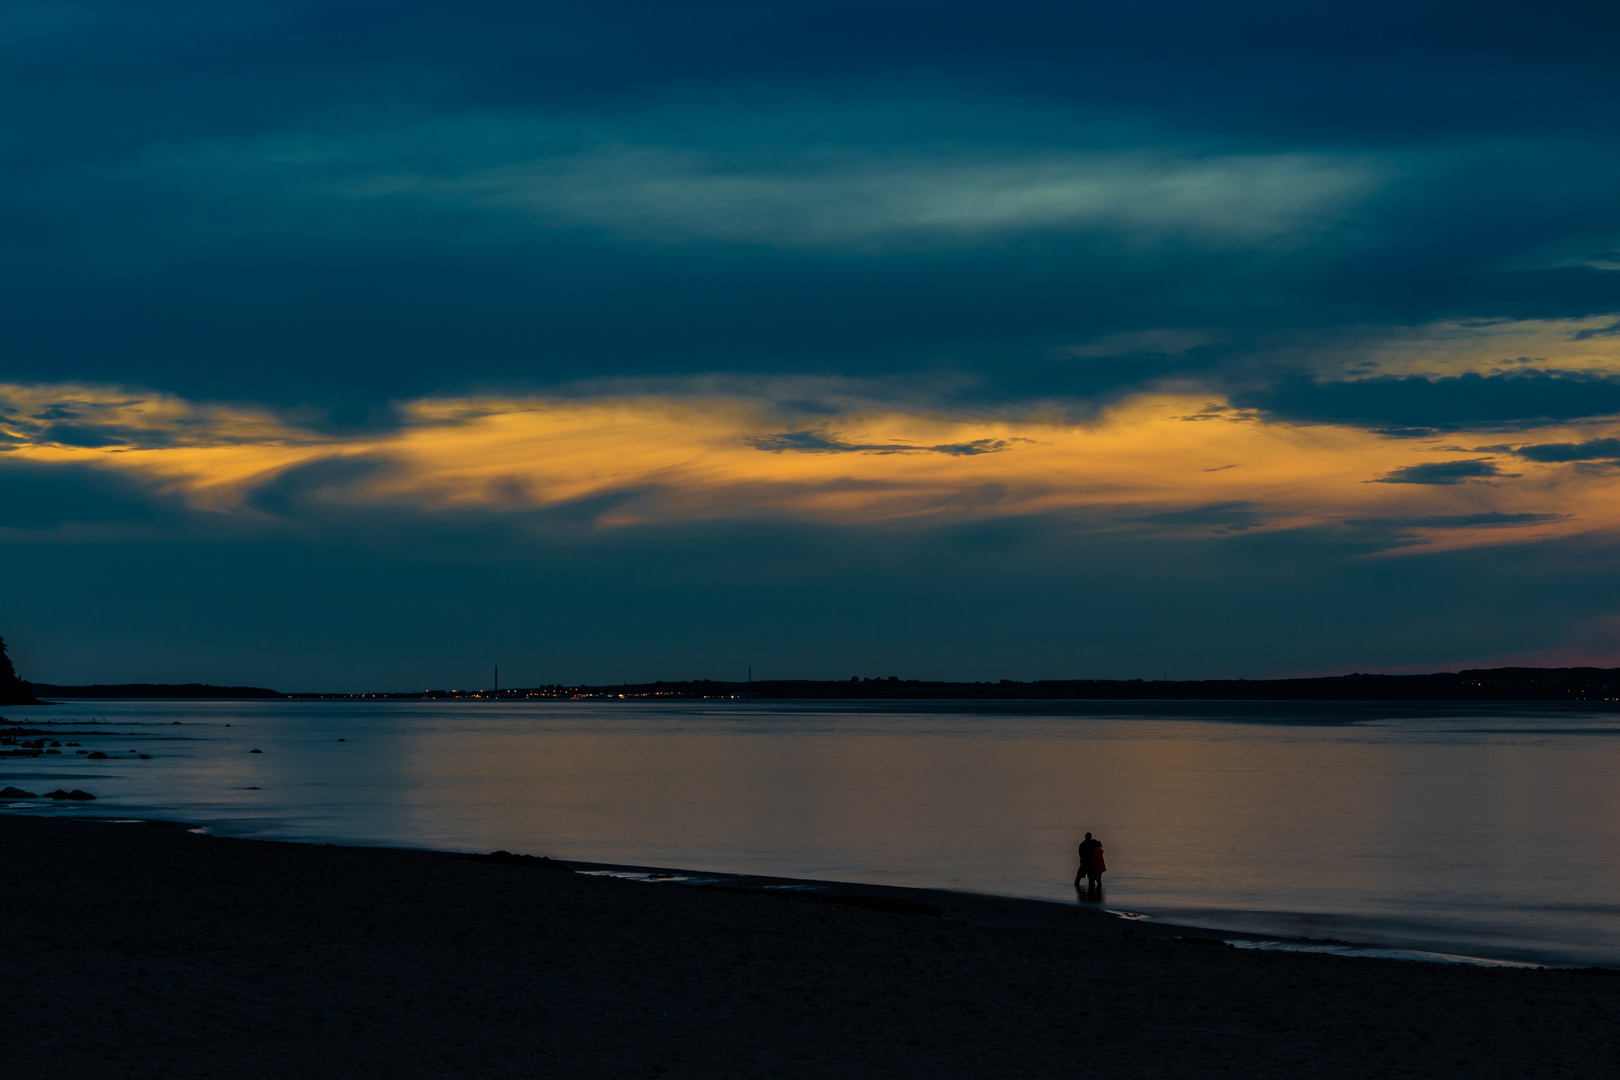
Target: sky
{"x": 366, "y": 346}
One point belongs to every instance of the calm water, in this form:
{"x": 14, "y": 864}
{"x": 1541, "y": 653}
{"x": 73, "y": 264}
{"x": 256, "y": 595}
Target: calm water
{"x": 1483, "y": 831}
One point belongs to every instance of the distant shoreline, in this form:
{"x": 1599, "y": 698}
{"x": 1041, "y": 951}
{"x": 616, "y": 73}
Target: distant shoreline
{"x": 1476, "y": 685}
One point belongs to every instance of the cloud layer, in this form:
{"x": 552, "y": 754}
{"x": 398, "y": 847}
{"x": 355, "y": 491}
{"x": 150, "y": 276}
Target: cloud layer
{"x": 650, "y": 295}
{"x": 1163, "y": 461}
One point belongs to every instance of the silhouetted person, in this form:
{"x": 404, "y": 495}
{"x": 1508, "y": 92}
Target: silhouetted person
{"x": 1089, "y": 850}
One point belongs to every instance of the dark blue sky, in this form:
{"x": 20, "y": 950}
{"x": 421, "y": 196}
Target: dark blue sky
{"x": 1385, "y": 234}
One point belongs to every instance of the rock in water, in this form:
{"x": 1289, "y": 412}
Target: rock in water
{"x": 79, "y": 795}
{"x": 97, "y": 756}
{"x": 17, "y": 793}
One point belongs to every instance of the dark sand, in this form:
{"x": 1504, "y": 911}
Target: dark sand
{"x": 134, "y": 951}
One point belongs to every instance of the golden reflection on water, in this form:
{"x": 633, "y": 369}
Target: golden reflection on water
{"x": 1192, "y": 814}
{"x": 1498, "y": 831}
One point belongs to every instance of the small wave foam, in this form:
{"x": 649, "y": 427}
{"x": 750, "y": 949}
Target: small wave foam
{"x": 1382, "y": 954}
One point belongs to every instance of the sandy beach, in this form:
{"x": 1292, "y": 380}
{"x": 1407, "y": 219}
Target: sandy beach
{"x": 141, "y": 951}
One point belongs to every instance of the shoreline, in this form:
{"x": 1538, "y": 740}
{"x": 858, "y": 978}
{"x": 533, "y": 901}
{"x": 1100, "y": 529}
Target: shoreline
{"x": 1270, "y": 901}
{"x": 987, "y": 909}
{"x": 1000, "y": 910}
{"x": 141, "y": 951}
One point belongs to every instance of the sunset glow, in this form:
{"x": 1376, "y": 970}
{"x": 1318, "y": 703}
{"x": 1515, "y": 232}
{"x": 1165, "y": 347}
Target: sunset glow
{"x": 1032, "y": 343}
{"x": 1135, "y": 465}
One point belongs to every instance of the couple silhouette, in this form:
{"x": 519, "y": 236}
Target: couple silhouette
{"x": 1092, "y": 865}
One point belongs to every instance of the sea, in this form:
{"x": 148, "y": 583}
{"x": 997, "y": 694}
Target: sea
{"x": 1440, "y": 831}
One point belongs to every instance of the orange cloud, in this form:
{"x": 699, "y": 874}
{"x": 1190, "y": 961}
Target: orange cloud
{"x": 668, "y": 458}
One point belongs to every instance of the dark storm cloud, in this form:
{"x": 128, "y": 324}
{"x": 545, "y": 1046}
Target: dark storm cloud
{"x": 1613, "y": 330}
{"x": 308, "y": 489}
{"x": 35, "y": 496}
{"x": 1443, "y": 63}
{"x": 81, "y": 425}
{"x": 1441, "y": 473}
{"x": 97, "y": 436}
{"x": 338, "y": 205}
{"x": 1590, "y": 450}
{"x": 814, "y": 442}
{"x": 1405, "y": 432}
{"x": 1488, "y": 520}
{"x": 1422, "y": 405}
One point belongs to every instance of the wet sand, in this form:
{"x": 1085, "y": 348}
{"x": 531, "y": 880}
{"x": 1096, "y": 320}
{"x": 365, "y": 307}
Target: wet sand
{"x": 140, "y": 951}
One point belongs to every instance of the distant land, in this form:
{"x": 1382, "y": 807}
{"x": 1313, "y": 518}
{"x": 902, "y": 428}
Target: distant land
{"x": 1484, "y": 684}
{"x": 13, "y": 690}
{"x": 154, "y": 690}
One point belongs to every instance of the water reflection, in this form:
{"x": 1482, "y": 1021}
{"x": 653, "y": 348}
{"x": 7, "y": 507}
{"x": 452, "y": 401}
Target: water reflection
{"x": 1416, "y": 826}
